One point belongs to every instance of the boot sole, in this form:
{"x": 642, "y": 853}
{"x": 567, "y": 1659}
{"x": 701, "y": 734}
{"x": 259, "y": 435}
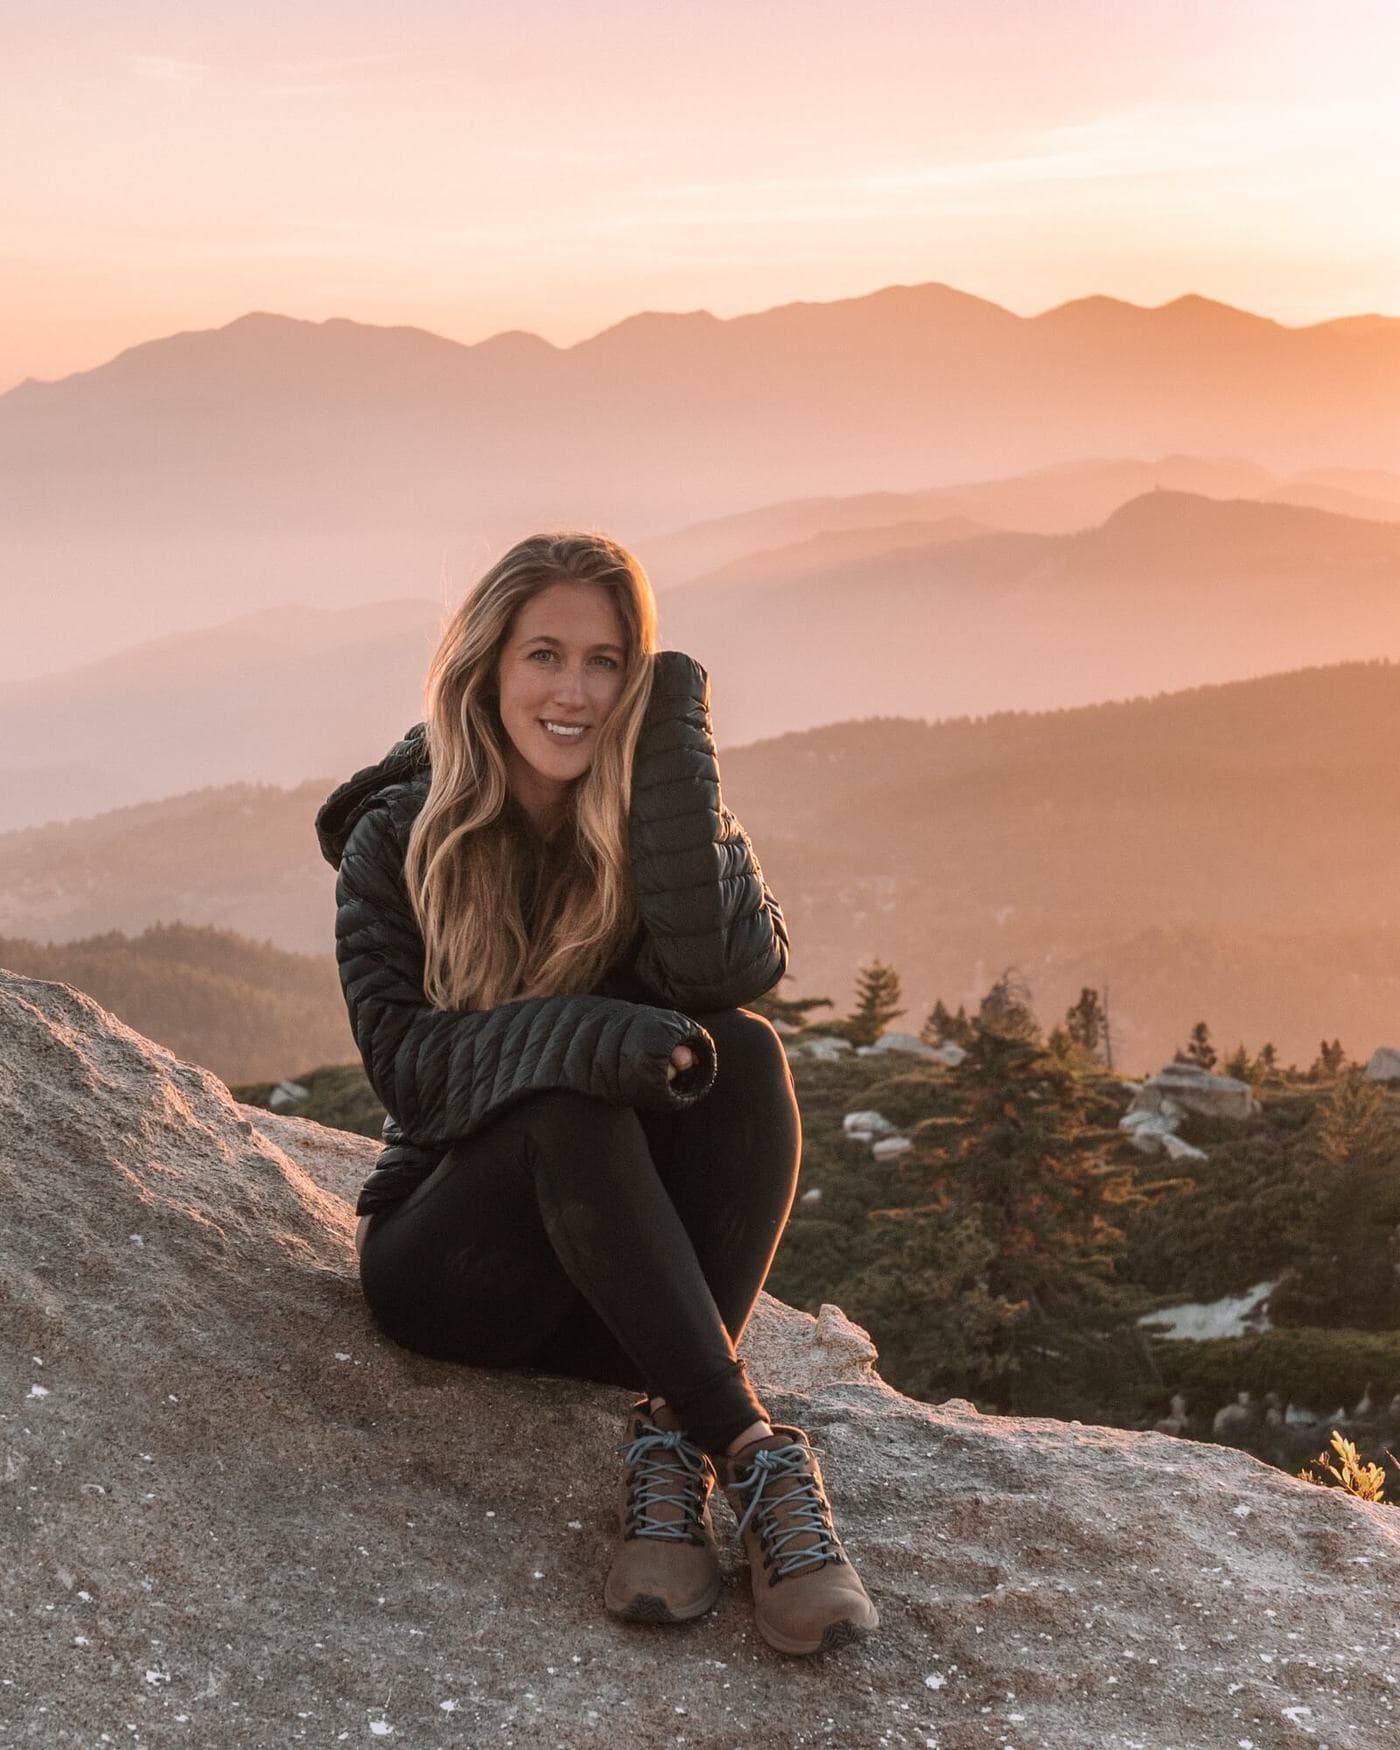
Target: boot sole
{"x": 645, "y": 1607}
{"x": 835, "y": 1634}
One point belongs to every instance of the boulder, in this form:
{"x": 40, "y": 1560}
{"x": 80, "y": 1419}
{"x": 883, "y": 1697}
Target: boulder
{"x": 908, "y": 1043}
{"x": 1384, "y": 1065}
{"x": 238, "y": 1515}
{"x": 287, "y": 1094}
{"x": 825, "y": 1045}
{"x": 1178, "y": 1149}
{"x": 1186, "y": 1087}
{"x": 862, "y": 1126}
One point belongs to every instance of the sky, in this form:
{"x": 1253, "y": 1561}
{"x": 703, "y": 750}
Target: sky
{"x": 470, "y": 166}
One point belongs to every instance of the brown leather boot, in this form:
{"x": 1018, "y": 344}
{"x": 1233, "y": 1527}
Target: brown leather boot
{"x": 807, "y": 1596}
{"x": 666, "y": 1566}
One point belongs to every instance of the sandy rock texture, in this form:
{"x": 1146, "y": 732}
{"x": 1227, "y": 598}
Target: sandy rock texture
{"x": 236, "y": 1515}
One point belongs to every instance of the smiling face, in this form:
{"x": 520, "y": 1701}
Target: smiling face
{"x": 564, "y": 663}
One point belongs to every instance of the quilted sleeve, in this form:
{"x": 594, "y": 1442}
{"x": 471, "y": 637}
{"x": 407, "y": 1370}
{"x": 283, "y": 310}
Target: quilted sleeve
{"x": 443, "y": 1073}
{"x": 715, "y": 937}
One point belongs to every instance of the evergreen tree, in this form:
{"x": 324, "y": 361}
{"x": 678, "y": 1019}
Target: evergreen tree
{"x": 1028, "y": 1166}
{"x": 1086, "y": 1022}
{"x": 1328, "y": 1062}
{"x": 1063, "y": 1048}
{"x": 1346, "y": 1273}
{"x": 877, "y": 1003}
{"x": 1006, "y": 1008}
{"x": 1199, "y": 1049}
{"x": 941, "y": 1026}
{"x": 1239, "y": 1064}
{"x": 923, "y": 1287}
{"x": 936, "y": 1030}
{"x": 792, "y": 1010}
{"x": 1268, "y": 1057}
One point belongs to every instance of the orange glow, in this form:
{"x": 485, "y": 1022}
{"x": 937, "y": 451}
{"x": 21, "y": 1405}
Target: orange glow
{"x": 455, "y": 175}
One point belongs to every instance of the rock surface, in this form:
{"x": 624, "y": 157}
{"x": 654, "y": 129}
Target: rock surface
{"x": 236, "y": 1515}
{"x": 1384, "y": 1064}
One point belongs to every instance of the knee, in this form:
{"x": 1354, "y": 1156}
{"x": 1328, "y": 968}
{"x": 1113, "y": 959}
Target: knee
{"x": 566, "y": 1106}
{"x": 557, "y": 1121}
{"x": 750, "y": 1038}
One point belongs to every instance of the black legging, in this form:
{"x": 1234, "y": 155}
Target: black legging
{"x": 604, "y": 1242}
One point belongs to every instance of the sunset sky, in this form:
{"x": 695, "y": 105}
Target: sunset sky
{"x": 471, "y": 165}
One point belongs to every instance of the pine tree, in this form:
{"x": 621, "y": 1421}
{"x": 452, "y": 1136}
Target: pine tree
{"x": 1006, "y": 1008}
{"x": 793, "y": 1010}
{"x": 1199, "y": 1048}
{"x": 1328, "y": 1062}
{"x": 1086, "y": 1022}
{"x": 877, "y": 1003}
{"x": 937, "y": 1029}
{"x": 940, "y": 1027}
{"x": 1030, "y": 1168}
{"x": 922, "y": 1286}
{"x": 1239, "y": 1065}
{"x": 1346, "y": 1271}
{"x": 1268, "y": 1057}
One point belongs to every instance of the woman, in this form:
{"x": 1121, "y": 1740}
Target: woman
{"x": 547, "y": 924}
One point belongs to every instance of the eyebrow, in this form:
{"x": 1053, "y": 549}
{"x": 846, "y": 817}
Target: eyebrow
{"x": 544, "y": 638}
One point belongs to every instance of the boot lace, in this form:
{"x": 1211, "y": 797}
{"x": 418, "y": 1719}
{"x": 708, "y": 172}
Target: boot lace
{"x": 667, "y": 1470}
{"x": 803, "y": 1507}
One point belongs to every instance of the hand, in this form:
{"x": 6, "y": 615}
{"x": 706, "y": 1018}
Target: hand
{"x": 681, "y": 1058}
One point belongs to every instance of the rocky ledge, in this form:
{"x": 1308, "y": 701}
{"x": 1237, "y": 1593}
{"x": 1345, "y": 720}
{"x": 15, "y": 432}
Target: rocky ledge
{"x": 237, "y": 1515}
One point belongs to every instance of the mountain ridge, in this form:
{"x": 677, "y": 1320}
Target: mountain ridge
{"x": 920, "y": 296}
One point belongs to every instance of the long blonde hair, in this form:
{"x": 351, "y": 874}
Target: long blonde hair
{"x": 471, "y": 857}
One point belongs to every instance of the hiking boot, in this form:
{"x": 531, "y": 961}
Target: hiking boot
{"x": 807, "y": 1596}
{"x": 666, "y": 1566}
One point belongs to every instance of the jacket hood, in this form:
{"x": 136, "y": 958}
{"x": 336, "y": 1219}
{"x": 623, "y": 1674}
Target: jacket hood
{"x": 335, "y": 818}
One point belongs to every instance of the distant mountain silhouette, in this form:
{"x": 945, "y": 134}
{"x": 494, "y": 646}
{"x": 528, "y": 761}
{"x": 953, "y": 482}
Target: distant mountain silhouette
{"x": 1049, "y": 501}
{"x": 797, "y": 559}
{"x": 270, "y": 697}
{"x": 334, "y": 462}
{"x": 1171, "y": 590}
{"x": 1225, "y": 853}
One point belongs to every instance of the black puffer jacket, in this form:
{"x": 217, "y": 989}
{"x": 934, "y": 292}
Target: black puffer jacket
{"x": 712, "y": 936}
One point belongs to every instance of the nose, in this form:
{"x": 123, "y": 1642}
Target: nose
{"x": 568, "y": 685}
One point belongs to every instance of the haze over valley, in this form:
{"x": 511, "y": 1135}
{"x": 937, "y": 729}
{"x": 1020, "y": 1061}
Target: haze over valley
{"x": 1001, "y": 672}
{"x": 272, "y": 461}
{"x": 1225, "y": 852}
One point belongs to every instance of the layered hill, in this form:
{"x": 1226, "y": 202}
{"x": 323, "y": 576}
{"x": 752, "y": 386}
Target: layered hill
{"x": 334, "y": 463}
{"x": 1171, "y": 590}
{"x": 1224, "y": 853}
